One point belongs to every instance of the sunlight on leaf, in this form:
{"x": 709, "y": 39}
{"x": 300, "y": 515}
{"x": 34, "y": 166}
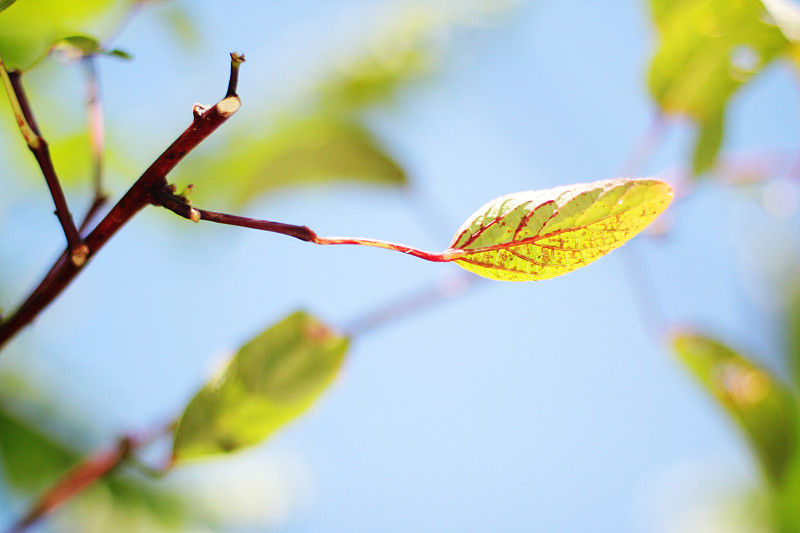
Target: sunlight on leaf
{"x": 271, "y": 380}
{"x": 542, "y": 234}
{"x": 764, "y": 408}
{"x": 707, "y": 49}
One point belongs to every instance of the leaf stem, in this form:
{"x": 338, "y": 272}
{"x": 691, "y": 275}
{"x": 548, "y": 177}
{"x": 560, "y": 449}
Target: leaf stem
{"x": 236, "y": 62}
{"x": 180, "y": 206}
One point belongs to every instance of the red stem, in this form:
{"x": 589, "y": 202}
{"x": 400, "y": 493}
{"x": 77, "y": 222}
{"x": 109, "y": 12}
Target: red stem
{"x": 180, "y": 206}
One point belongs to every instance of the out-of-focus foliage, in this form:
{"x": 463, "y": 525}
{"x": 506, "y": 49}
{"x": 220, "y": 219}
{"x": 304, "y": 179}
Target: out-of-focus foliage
{"x": 765, "y": 408}
{"x": 79, "y": 46}
{"x": 271, "y": 380}
{"x": 5, "y": 3}
{"x": 542, "y": 234}
{"x": 326, "y": 138}
{"x": 30, "y": 27}
{"x": 297, "y": 151}
{"x": 32, "y": 461}
{"x": 707, "y": 49}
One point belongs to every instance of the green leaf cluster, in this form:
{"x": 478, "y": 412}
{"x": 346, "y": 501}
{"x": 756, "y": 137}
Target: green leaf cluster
{"x": 271, "y": 380}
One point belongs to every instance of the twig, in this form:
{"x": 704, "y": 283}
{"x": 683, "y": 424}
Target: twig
{"x": 37, "y": 144}
{"x": 206, "y": 121}
{"x": 644, "y": 148}
{"x": 94, "y": 115}
{"x": 93, "y": 469}
{"x": 450, "y": 287}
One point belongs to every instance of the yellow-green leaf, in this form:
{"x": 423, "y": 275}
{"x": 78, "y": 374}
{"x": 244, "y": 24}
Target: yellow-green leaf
{"x": 271, "y": 380}
{"x": 542, "y": 234}
{"x": 764, "y": 408}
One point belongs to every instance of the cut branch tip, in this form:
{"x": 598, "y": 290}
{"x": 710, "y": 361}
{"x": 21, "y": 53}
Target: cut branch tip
{"x": 229, "y": 105}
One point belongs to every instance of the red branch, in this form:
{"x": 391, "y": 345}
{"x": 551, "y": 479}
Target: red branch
{"x": 206, "y": 121}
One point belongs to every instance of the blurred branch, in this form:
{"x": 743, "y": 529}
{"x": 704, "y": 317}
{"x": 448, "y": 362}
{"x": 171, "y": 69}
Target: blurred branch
{"x": 206, "y": 121}
{"x": 644, "y": 147}
{"x": 447, "y": 288}
{"x": 94, "y": 115}
{"x": 79, "y": 478}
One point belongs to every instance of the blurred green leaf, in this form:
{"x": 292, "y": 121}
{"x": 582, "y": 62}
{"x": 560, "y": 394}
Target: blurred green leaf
{"x": 708, "y": 144}
{"x": 78, "y": 46}
{"x": 408, "y": 49}
{"x": 82, "y": 44}
{"x": 270, "y": 381}
{"x": 5, "y": 3}
{"x": 792, "y": 325}
{"x": 28, "y": 30}
{"x": 764, "y": 408}
{"x": 318, "y": 149}
{"x": 707, "y": 49}
{"x": 31, "y": 460}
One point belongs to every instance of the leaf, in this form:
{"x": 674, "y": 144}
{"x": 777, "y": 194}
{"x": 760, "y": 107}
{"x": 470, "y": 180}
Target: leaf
{"x": 792, "y": 328}
{"x": 542, "y": 234}
{"x": 764, "y": 408}
{"x": 707, "y": 145}
{"x": 707, "y": 50}
{"x": 786, "y": 16}
{"x": 270, "y": 381}
{"x": 28, "y": 30}
{"x": 31, "y": 460}
{"x": 78, "y": 46}
{"x": 4, "y": 4}
{"x": 311, "y": 150}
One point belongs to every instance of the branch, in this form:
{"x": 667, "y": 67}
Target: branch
{"x": 79, "y": 478}
{"x": 30, "y": 132}
{"x": 206, "y": 121}
{"x": 91, "y": 470}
